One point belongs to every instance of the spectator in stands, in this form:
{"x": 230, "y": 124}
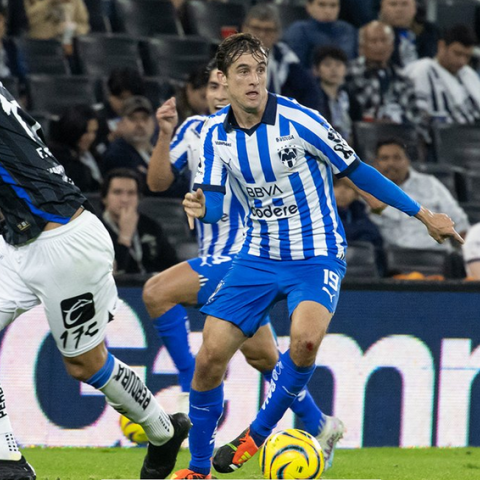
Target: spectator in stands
{"x": 393, "y": 162}
{"x": 60, "y": 19}
{"x": 330, "y": 67}
{"x": 12, "y": 63}
{"x": 286, "y": 76}
{"x": 140, "y": 244}
{"x": 471, "y": 252}
{"x": 133, "y": 147}
{"x": 446, "y": 86}
{"x": 17, "y": 22}
{"x": 72, "y": 140}
{"x": 414, "y": 37}
{"x": 383, "y": 93}
{"x": 122, "y": 83}
{"x": 192, "y": 98}
{"x": 356, "y": 221}
{"x": 323, "y": 28}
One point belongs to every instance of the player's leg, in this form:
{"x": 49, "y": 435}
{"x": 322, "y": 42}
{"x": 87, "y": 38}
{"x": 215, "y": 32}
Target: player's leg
{"x": 311, "y": 306}
{"x": 261, "y": 352}
{"x": 79, "y": 296}
{"x": 15, "y": 298}
{"x": 221, "y": 340}
{"x": 163, "y": 295}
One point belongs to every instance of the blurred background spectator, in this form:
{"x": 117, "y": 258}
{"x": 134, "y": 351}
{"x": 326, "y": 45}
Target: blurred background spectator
{"x": 335, "y": 104}
{"x": 447, "y": 87}
{"x": 383, "y": 93}
{"x": 323, "y": 28}
{"x": 140, "y": 244}
{"x": 286, "y": 76}
{"x": 192, "y": 96}
{"x": 59, "y": 19}
{"x": 123, "y": 83}
{"x": 133, "y": 147}
{"x": 12, "y": 63}
{"x": 471, "y": 252}
{"x": 396, "y": 228}
{"x": 414, "y": 36}
{"x": 72, "y": 142}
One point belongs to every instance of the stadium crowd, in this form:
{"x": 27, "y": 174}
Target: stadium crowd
{"x": 404, "y": 91}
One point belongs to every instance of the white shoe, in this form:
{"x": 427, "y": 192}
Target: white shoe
{"x": 330, "y": 434}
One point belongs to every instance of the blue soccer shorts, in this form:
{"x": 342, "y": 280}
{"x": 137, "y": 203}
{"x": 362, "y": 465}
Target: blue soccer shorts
{"x": 253, "y": 284}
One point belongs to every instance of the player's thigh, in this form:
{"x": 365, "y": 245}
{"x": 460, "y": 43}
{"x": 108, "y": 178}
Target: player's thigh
{"x": 73, "y": 278}
{"x": 15, "y": 296}
{"x": 261, "y": 350}
{"x": 244, "y": 296}
{"x": 178, "y": 284}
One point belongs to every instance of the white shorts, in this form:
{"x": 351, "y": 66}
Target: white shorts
{"x": 69, "y": 270}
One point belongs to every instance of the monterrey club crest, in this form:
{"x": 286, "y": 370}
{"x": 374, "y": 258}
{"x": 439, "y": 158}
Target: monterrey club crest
{"x": 288, "y": 156}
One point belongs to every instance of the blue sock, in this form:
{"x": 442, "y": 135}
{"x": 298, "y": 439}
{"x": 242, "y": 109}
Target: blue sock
{"x": 305, "y": 408}
{"x": 206, "y": 408}
{"x": 288, "y": 381}
{"x": 172, "y": 328}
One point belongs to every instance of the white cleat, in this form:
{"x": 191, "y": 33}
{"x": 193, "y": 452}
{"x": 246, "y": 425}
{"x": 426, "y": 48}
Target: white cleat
{"x": 330, "y": 434}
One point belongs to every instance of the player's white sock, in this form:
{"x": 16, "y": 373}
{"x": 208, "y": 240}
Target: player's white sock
{"x": 8, "y": 445}
{"x": 127, "y": 394}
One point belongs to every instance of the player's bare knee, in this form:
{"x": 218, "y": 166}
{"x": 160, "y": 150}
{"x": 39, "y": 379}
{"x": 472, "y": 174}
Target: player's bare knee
{"x": 304, "y": 352}
{"x": 154, "y": 296}
{"x": 78, "y": 371}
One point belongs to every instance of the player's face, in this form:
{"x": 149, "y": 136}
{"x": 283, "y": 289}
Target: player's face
{"x": 398, "y": 13}
{"x": 331, "y": 71}
{"x": 266, "y": 31}
{"x": 246, "y": 83}
{"x": 324, "y": 10}
{"x": 217, "y": 96}
{"x": 392, "y": 161}
{"x": 89, "y": 136}
{"x": 138, "y": 127}
{"x": 122, "y": 194}
{"x": 454, "y": 57}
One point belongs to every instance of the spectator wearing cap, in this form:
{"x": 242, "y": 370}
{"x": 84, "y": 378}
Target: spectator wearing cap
{"x": 133, "y": 148}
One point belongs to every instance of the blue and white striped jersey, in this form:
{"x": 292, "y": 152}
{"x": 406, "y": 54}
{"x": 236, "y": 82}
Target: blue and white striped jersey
{"x": 284, "y": 168}
{"x": 226, "y": 236}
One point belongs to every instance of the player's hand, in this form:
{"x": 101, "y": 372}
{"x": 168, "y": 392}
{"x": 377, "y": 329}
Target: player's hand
{"x": 194, "y": 205}
{"x": 440, "y": 226}
{"x": 127, "y": 224}
{"x": 167, "y": 116}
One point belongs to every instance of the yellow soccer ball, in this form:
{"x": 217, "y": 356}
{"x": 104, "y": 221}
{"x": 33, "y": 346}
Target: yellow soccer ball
{"x": 133, "y": 431}
{"x": 291, "y": 454}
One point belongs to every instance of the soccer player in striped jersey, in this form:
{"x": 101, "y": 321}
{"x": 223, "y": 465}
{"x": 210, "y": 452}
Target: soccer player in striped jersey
{"x": 283, "y": 156}
{"x": 192, "y": 282}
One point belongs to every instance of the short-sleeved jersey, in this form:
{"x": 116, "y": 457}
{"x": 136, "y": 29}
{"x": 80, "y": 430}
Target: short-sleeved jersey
{"x": 34, "y": 189}
{"x": 226, "y": 236}
{"x": 284, "y": 167}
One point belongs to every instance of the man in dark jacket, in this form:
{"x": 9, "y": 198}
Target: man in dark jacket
{"x": 140, "y": 244}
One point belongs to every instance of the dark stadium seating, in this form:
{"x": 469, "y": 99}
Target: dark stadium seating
{"x": 11, "y": 84}
{"x": 145, "y": 17}
{"x": 170, "y": 59}
{"x": 472, "y": 209}
{"x": 367, "y": 134}
{"x": 453, "y": 177}
{"x": 43, "y": 56}
{"x": 51, "y": 93}
{"x": 472, "y": 186}
{"x": 361, "y": 261}
{"x": 170, "y": 214}
{"x": 291, "y": 13}
{"x": 406, "y": 260}
{"x": 458, "y": 145}
{"x": 158, "y": 89}
{"x": 99, "y": 54}
{"x": 99, "y": 22}
{"x": 207, "y": 18}
{"x": 448, "y": 13}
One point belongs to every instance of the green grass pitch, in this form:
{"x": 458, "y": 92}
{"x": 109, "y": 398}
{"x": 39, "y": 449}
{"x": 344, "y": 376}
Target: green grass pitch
{"x": 366, "y": 463}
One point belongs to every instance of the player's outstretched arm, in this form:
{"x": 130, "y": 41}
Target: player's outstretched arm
{"x": 439, "y": 226}
{"x": 160, "y": 175}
